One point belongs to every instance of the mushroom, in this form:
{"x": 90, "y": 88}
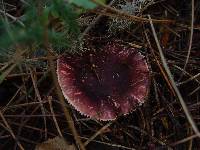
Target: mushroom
{"x": 104, "y": 84}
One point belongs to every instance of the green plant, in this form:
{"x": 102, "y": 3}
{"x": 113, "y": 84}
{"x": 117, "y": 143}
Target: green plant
{"x": 56, "y": 15}
{"x": 26, "y": 34}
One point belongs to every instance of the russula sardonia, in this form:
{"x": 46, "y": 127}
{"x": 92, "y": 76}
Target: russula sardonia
{"x": 104, "y": 84}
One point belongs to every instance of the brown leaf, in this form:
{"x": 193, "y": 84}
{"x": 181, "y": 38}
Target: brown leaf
{"x": 57, "y": 143}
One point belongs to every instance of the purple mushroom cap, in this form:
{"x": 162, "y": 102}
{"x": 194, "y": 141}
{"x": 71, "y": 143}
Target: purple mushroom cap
{"x": 104, "y": 84}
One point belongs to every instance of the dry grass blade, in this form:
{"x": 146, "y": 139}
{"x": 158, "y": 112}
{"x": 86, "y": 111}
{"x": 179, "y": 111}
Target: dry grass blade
{"x": 152, "y": 137}
{"x": 188, "y": 74}
{"x": 190, "y": 79}
{"x": 59, "y": 92}
{"x": 11, "y": 65}
{"x": 54, "y": 117}
{"x": 128, "y": 16}
{"x": 12, "y": 17}
{"x": 11, "y": 132}
{"x": 33, "y": 77}
{"x": 62, "y": 100}
{"x": 191, "y": 37}
{"x": 159, "y": 65}
{"x": 90, "y": 26}
{"x": 184, "y": 140}
{"x": 117, "y": 146}
{"x": 184, "y": 106}
{"x": 97, "y": 133}
{"x": 6, "y": 72}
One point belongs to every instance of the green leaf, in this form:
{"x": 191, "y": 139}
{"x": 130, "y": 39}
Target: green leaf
{"x": 33, "y": 31}
{"x": 66, "y": 14}
{"x": 87, "y": 4}
{"x": 101, "y": 1}
{"x": 54, "y": 13}
{"x": 45, "y": 16}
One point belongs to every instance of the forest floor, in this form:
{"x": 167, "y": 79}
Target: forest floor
{"x": 166, "y": 32}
